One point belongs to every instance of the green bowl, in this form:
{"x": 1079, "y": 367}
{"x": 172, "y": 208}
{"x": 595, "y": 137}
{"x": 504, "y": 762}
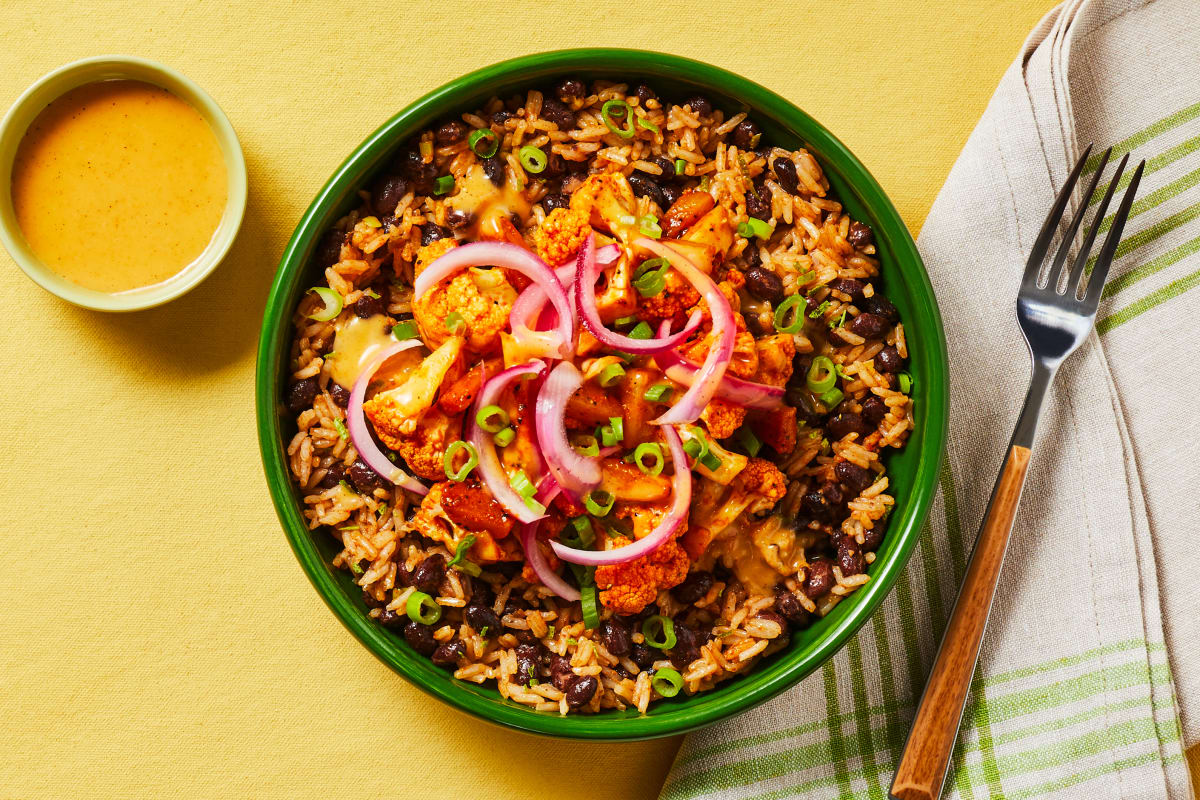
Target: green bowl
{"x": 913, "y": 470}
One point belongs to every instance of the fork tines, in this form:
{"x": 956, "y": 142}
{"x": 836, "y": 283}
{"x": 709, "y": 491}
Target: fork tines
{"x": 1049, "y": 282}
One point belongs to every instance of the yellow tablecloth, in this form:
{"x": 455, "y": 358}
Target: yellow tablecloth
{"x": 156, "y": 636}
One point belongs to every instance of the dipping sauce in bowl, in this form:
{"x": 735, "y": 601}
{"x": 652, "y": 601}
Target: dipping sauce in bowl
{"x": 122, "y": 183}
{"x": 118, "y": 184}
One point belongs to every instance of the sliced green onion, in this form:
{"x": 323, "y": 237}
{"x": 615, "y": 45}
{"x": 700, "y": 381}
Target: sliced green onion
{"x": 819, "y": 310}
{"x": 840, "y": 320}
{"x": 905, "y": 382}
{"x": 711, "y": 461}
{"x": 533, "y": 159}
{"x": 667, "y": 682}
{"x": 680, "y": 166}
{"x": 704, "y": 183}
{"x": 599, "y": 502}
{"x": 443, "y": 185}
{"x": 649, "y": 226}
{"x": 591, "y": 612}
{"x": 627, "y": 219}
{"x": 628, "y": 358}
{"x": 607, "y": 437}
{"x": 650, "y": 285}
{"x": 647, "y": 124}
{"x": 585, "y": 535}
{"x": 822, "y": 375}
{"x": 521, "y": 484}
{"x": 641, "y": 331}
{"x": 454, "y": 322}
{"x": 490, "y": 146}
{"x": 343, "y": 434}
{"x": 648, "y": 266}
{"x": 611, "y": 375}
{"x": 587, "y": 445}
{"x": 355, "y": 568}
{"x": 426, "y": 150}
{"x": 483, "y": 631}
{"x": 607, "y": 114}
{"x": 658, "y": 624}
{"x": 534, "y": 506}
{"x": 789, "y": 309}
{"x": 697, "y": 446}
{"x": 659, "y": 393}
{"x": 504, "y": 437}
{"x": 617, "y": 426}
{"x": 755, "y": 227}
{"x": 371, "y": 293}
{"x": 333, "y": 304}
{"x": 422, "y": 608}
{"x": 403, "y": 331}
{"x": 621, "y": 322}
{"x": 653, "y": 453}
{"x": 832, "y": 398}
{"x": 459, "y": 561}
{"x": 459, "y": 475}
{"x": 749, "y": 441}
{"x": 492, "y": 419}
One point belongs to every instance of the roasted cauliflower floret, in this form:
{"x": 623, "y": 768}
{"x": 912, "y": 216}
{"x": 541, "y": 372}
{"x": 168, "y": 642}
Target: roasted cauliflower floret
{"x": 483, "y": 298}
{"x": 775, "y": 354}
{"x": 722, "y": 418}
{"x": 777, "y": 428}
{"x": 561, "y": 235}
{"x": 606, "y": 197}
{"x": 630, "y": 587}
{"x": 672, "y": 303}
{"x": 755, "y": 490}
{"x": 452, "y": 511}
{"x": 744, "y": 361}
{"x": 424, "y": 448}
{"x": 432, "y": 252}
{"x": 394, "y": 412}
{"x": 715, "y": 230}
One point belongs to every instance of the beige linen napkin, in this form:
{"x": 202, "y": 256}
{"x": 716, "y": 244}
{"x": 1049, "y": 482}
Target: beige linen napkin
{"x": 1074, "y": 695}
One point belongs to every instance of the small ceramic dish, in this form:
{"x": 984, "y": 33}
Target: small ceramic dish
{"x": 115, "y": 67}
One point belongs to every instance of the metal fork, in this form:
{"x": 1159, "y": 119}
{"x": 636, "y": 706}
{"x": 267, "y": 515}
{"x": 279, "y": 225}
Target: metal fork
{"x": 1055, "y": 318}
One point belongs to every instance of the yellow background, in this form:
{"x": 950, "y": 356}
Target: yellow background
{"x": 156, "y": 636}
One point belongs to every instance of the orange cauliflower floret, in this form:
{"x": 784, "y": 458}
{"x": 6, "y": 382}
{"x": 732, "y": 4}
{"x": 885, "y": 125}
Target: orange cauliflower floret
{"x": 561, "y": 235}
{"x": 424, "y": 448}
{"x": 395, "y": 412}
{"x": 722, "y": 418}
{"x": 441, "y": 518}
{"x": 606, "y": 198}
{"x": 744, "y": 361}
{"x": 483, "y": 298}
{"x": 431, "y": 252}
{"x": 755, "y": 490}
{"x": 672, "y": 303}
{"x": 775, "y": 354}
{"x": 630, "y": 587}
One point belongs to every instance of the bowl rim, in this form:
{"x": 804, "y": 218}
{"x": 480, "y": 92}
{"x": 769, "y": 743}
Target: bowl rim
{"x": 55, "y": 84}
{"x": 929, "y": 438}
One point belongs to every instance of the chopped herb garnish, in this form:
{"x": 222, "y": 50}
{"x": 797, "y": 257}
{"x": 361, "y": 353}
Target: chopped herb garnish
{"x": 341, "y": 429}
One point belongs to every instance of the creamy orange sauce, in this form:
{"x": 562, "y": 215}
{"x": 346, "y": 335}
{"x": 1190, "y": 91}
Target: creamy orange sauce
{"x": 356, "y": 343}
{"x": 488, "y": 203}
{"x": 761, "y": 554}
{"x": 118, "y": 184}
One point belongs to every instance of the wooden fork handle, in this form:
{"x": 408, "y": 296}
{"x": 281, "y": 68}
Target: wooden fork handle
{"x": 922, "y": 768}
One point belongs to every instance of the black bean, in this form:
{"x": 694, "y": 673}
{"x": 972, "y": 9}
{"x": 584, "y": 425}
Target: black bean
{"x": 561, "y": 674}
{"x": 700, "y": 105}
{"x": 833, "y": 493}
{"x": 494, "y": 169}
{"x": 764, "y": 284}
{"x": 419, "y": 174}
{"x": 581, "y": 691}
{"x": 851, "y": 287}
{"x": 819, "y": 579}
{"x": 873, "y": 538}
{"x": 788, "y": 606}
{"x": 367, "y": 306}
{"x": 874, "y": 410}
{"x": 771, "y": 616}
{"x": 301, "y": 394}
{"x": 340, "y": 395}
{"x": 644, "y": 186}
{"x": 799, "y": 398}
{"x": 403, "y": 576}
{"x": 880, "y": 305}
{"x": 686, "y": 649}
{"x": 694, "y": 587}
{"x": 753, "y": 257}
{"x": 868, "y": 326}
{"x": 387, "y": 193}
{"x": 759, "y": 324}
{"x": 614, "y": 635}
{"x": 835, "y": 338}
{"x": 390, "y": 619}
{"x": 334, "y": 475}
{"x": 849, "y": 556}
{"x": 427, "y": 576}
{"x": 481, "y": 591}
{"x": 527, "y": 662}
{"x": 758, "y": 203}
{"x": 371, "y": 601}
{"x": 329, "y": 249}
{"x": 515, "y": 604}
{"x": 501, "y": 116}
{"x": 816, "y": 505}
{"x": 642, "y": 655}
{"x": 844, "y": 423}
{"x": 671, "y": 193}
{"x": 449, "y": 654}
{"x": 420, "y": 638}
{"x": 556, "y": 200}
{"x": 570, "y": 89}
{"x": 855, "y": 477}
{"x": 860, "y": 235}
{"x": 450, "y": 132}
{"x": 643, "y": 93}
{"x": 457, "y": 219}
{"x": 365, "y": 479}
{"x": 559, "y": 114}
{"x": 480, "y": 617}
{"x": 430, "y": 233}
{"x": 746, "y": 135}
{"x": 785, "y": 172}
{"x": 667, "y": 165}
{"x": 888, "y": 360}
